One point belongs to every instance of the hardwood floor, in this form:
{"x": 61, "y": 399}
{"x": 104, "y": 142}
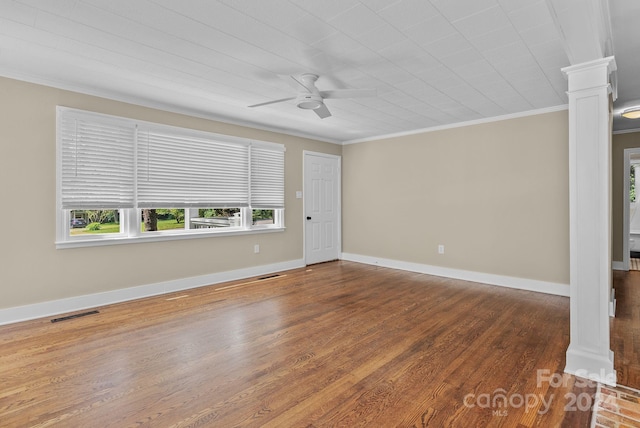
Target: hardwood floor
{"x": 336, "y": 344}
{"x": 625, "y": 328}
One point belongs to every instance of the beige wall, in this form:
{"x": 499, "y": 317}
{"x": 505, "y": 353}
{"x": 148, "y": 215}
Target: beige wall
{"x": 496, "y": 195}
{"x": 32, "y": 270}
{"x": 620, "y": 143}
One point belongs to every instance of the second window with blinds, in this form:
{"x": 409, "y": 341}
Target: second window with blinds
{"x": 121, "y": 180}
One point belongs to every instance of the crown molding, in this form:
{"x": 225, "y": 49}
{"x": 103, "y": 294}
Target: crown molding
{"x": 462, "y": 124}
{"x": 68, "y": 86}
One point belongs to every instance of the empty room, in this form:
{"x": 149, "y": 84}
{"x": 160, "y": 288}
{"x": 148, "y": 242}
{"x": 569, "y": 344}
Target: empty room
{"x": 295, "y": 213}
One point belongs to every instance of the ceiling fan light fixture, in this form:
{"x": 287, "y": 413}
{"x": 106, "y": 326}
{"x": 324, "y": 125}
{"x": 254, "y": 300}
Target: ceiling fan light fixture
{"x": 310, "y": 102}
{"x": 632, "y": 113}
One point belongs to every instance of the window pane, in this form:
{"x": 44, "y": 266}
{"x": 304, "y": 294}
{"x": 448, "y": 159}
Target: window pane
{"x": 263, "y": 217}
{"x": 159, "y": 219}
{"x": 94, "y": 222}
{"x": 216, "y": 217}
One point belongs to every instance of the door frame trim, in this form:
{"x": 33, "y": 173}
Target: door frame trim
{"x": 626, "y": 226}
{"x": 306, "y": 153}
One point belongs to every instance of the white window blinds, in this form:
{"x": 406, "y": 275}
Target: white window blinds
{"x": 96, "y": 162}
{"x": 178, "y": 171}
{"x": 109, "y": 162}
{"x": 267, "y": 177}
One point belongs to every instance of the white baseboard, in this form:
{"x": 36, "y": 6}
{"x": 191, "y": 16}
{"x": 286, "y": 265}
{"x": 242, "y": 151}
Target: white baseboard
{"x": 485, "y": 278}
{"x": 54, "y": 307}
{"x": 617, "y": 265}
{"x": 590, "y": 365}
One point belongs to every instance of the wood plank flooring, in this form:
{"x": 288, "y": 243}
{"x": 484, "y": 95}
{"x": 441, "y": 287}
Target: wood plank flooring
{"x": 625, "y": 328}
{"x": 336, "y": 344}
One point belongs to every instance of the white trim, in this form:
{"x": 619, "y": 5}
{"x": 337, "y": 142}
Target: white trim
{"x": 612, "y": 303}
{"x": 465, "y": 275}
{"x": 166, "y": 235}
{"x": 618, "y": 266}
{"x": 586, "y": 81}
{"x": 626, "y": 131}
{"x": 583, "y": 358}
{"x": 54, "y": 307}
{"x": 461, "y": 124}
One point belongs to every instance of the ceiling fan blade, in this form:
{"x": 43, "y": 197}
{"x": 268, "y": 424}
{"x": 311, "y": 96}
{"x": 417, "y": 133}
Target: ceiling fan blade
{"x": 273, "y": 102}
{"x": 322, "y": 111}
{"x": 293, "y": 82}
{"x": 348, "y": 93}
{"x": 301, "y": 83}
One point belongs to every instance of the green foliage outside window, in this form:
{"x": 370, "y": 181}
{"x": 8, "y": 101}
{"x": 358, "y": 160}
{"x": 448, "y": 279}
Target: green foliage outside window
{"x": 632, "y": 185}
{"x": 175, "y": 214}
{"x": 262, "y": 214}
{"x": 217, "y": 212}
{"x": 101, "y": 216}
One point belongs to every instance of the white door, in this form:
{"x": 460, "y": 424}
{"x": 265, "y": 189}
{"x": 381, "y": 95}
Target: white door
{"x": 321, "y": 207}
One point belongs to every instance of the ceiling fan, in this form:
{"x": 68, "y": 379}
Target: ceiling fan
{"x": 310, "y": 98}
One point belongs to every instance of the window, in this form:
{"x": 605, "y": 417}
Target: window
{"x": 263, "y": 217}
{"x": 161, "y": 219}
{"x": 632, "y": 183}
{"x": 122, "y": 180}
{"x": 207, "y": 218}
{"x": 94, "y": 222}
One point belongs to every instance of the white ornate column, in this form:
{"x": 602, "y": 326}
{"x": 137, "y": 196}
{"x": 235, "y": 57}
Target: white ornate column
{"x": 589, "y": 353}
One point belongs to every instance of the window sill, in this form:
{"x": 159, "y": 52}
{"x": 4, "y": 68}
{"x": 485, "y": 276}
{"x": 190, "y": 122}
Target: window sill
{"x": 156, "y": 237}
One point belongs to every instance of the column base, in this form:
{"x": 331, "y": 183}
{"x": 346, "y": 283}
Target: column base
{"x": 591, "y": 365}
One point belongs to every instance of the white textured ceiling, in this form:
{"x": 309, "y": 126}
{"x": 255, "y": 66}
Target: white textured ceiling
{"x": 433, "y": 63}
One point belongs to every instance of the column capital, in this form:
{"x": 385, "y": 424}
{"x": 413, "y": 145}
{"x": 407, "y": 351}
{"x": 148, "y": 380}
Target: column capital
{"x": 591, "y": 74}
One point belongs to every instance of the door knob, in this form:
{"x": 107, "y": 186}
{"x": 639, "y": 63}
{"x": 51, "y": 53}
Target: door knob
{"x": 308, "y": 218}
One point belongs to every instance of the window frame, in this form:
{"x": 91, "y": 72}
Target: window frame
{"x": 130, "y": 223}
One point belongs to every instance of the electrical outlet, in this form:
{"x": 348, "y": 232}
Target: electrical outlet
{"x": 256, "y": 248}
{"x": 440, "y": 249}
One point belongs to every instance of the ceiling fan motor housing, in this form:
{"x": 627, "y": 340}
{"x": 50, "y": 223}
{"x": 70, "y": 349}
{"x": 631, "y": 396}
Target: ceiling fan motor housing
{"x": 310, "y": 98}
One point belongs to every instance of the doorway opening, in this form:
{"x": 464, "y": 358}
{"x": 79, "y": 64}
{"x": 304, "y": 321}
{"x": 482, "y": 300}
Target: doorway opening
{"x": 631, "y": 236}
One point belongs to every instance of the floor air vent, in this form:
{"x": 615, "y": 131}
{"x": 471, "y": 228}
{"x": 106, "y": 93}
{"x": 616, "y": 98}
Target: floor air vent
{"x": 83, "y": 314}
